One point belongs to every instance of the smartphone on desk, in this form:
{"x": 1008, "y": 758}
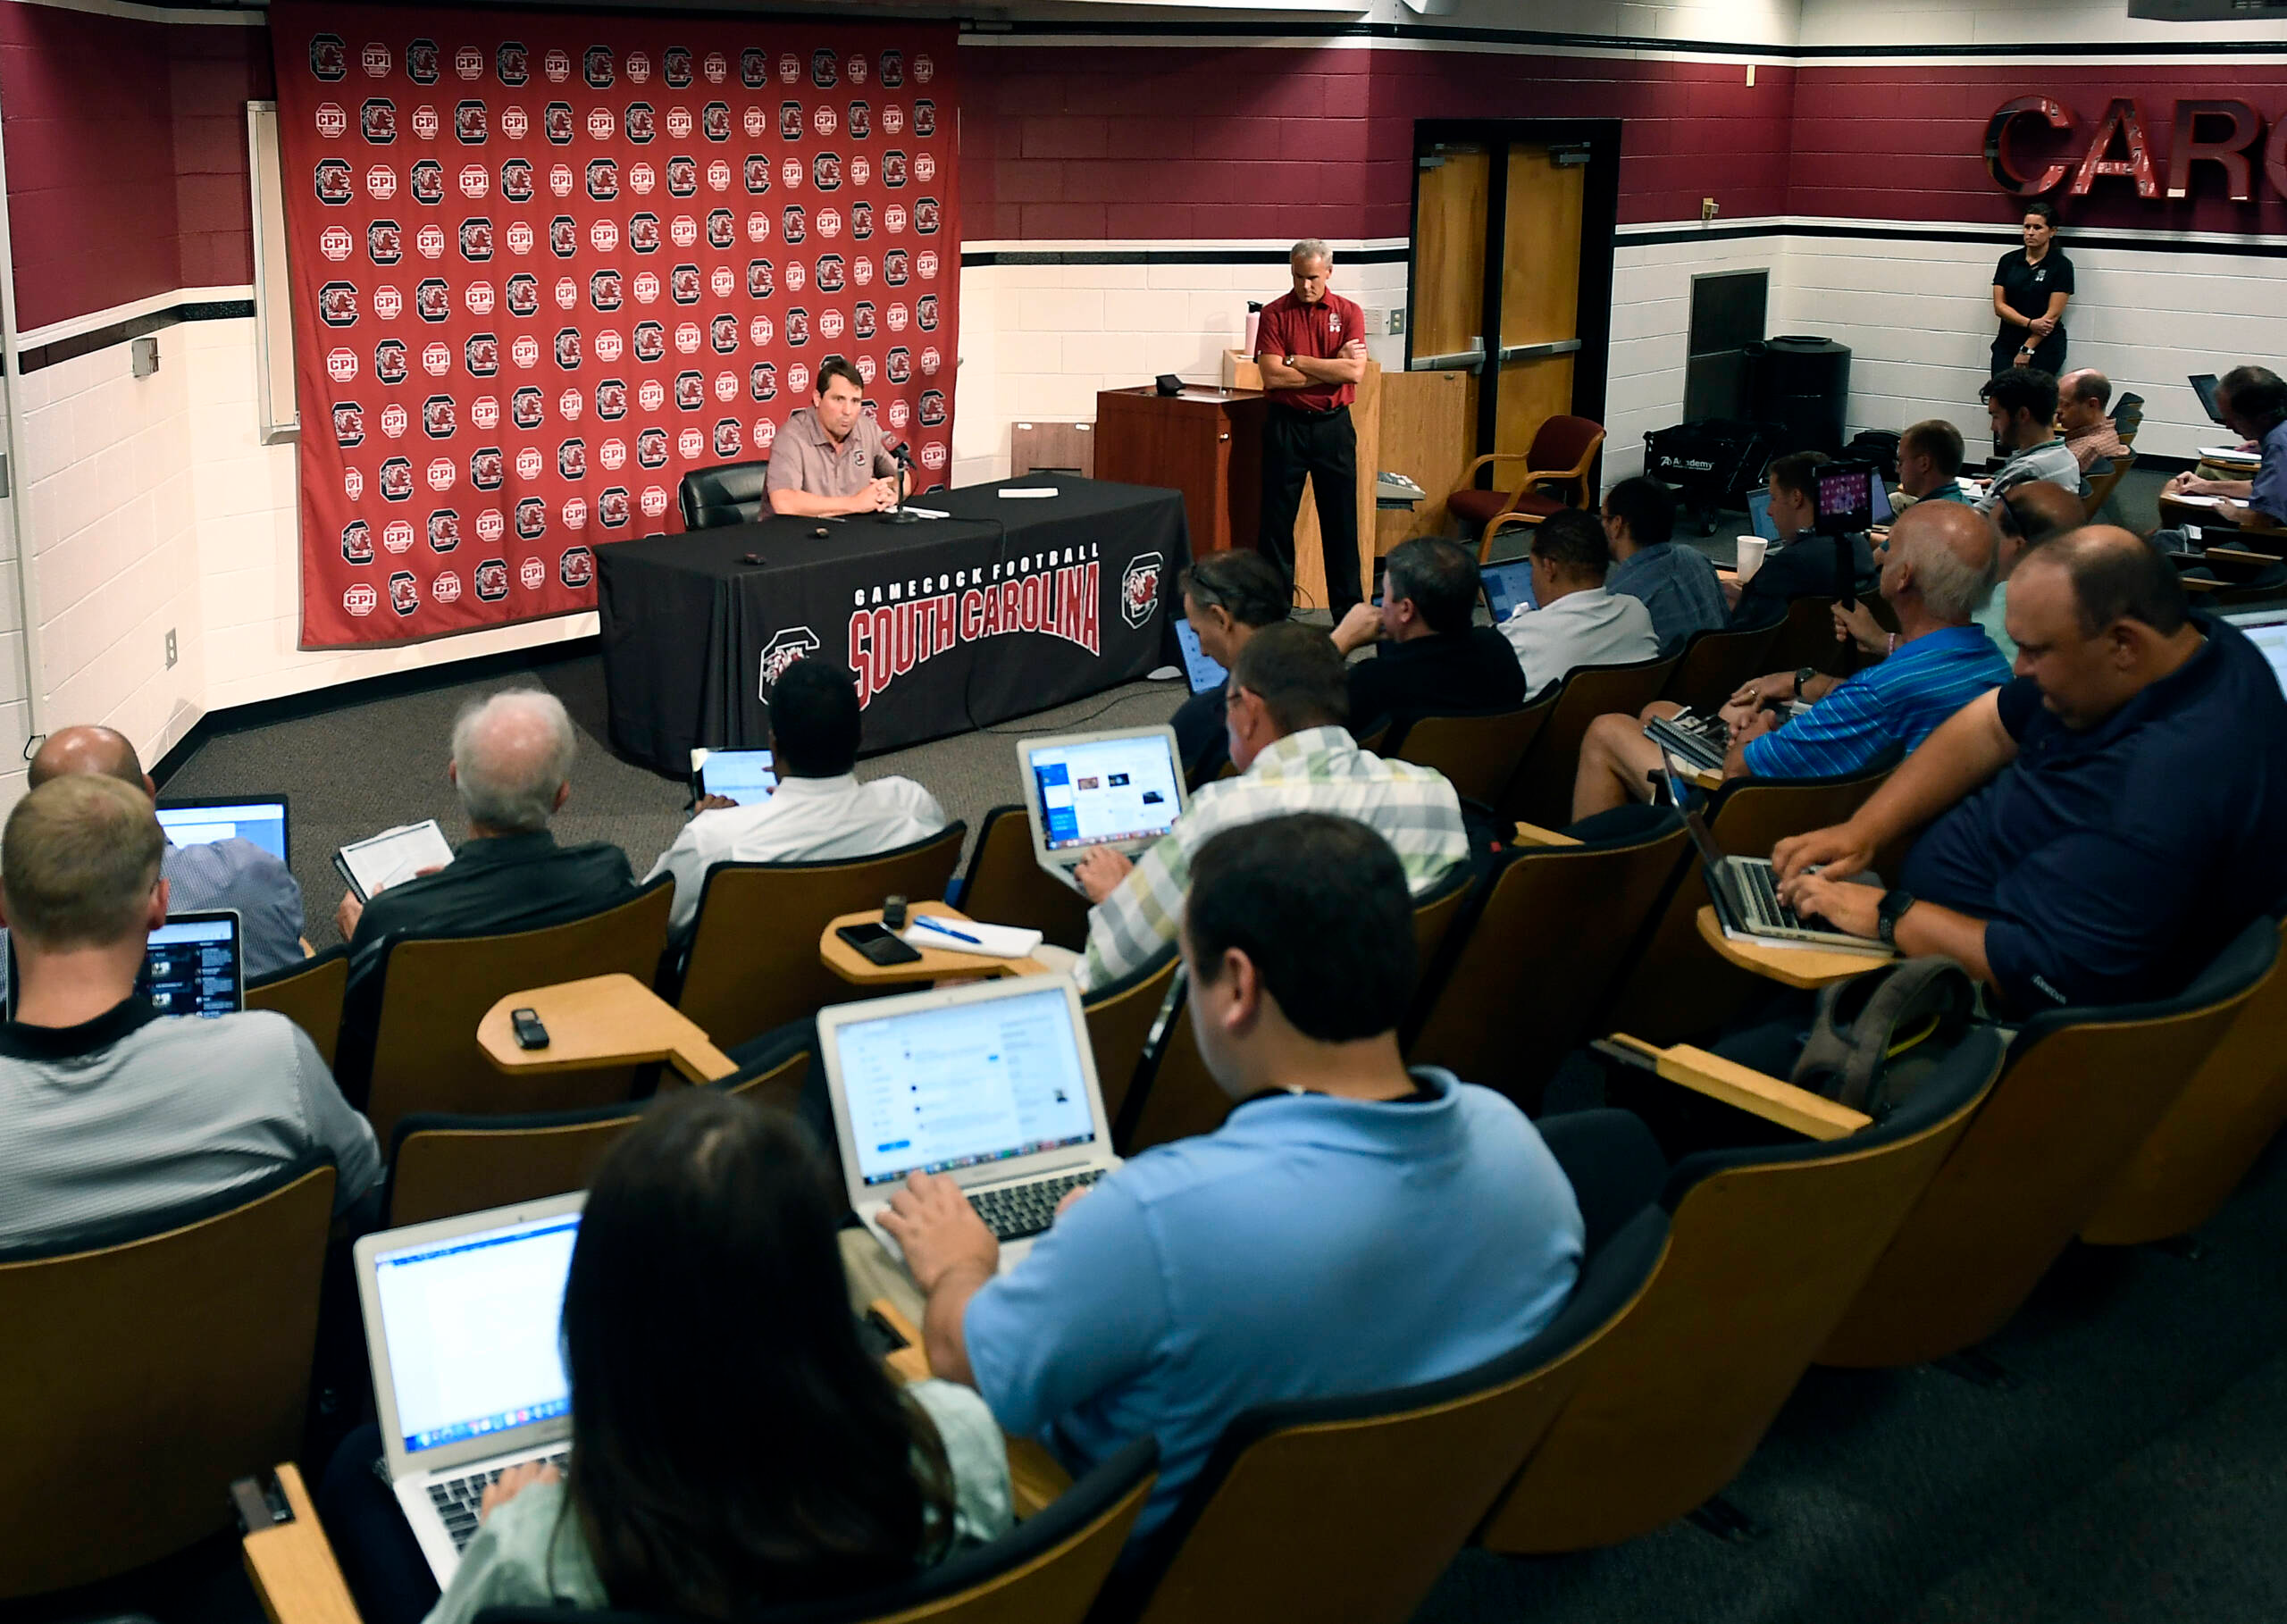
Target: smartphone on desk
{"x": 877, "y": 944}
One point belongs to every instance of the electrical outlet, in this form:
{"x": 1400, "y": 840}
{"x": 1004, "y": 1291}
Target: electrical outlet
{"x": 1397, "y": 322}
{"x": 171, "y": 647}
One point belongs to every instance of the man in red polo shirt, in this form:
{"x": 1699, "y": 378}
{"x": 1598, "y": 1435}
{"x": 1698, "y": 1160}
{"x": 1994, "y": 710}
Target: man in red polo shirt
{"x": 1312, "y": 348}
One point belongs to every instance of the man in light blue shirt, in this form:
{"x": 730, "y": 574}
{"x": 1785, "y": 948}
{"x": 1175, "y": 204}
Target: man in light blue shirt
{"x": 232, "y": 873}
{"x": 1352, "y": 1227}
{"x": 1677, "y": 583}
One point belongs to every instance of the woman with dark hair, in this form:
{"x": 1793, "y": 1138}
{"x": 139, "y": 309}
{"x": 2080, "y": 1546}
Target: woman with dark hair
{"x": 2030, "y": 286}
{"x": 1227, "y": 597}
{"x": 734, "y": 1447}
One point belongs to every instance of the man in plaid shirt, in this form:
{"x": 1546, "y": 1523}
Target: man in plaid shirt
{"x": 1289, "y": 707}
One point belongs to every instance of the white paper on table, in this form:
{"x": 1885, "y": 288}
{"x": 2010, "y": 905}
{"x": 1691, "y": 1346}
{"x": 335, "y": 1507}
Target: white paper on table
{"x": 2195, "y": 501}
{"x": 927, "y": 512}
{"x": 1027, "y": 492}
{"x": 993, "y": 940}
{"x": 2228, "y": 454}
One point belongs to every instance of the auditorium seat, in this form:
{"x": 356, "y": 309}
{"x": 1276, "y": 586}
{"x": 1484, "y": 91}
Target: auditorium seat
{"x": 1561, "y": 455}
{"x": 2227, "y": 1114}
{"x": 1048, "y": 1569}
{"x": 1540, "y": 791}
{"x": 443, "y": 1165}
{"x": 1675, "y": 987}
{"x": 146, "y": 1365}
{"x": 2080, "y": 1090}
{"x": 1715, "y": 664}
{"x": 1478, "y": 754}
{"x": 1120, "y": 1018}
{"x": 729, "y": 493}
{"x": 1349, "y": 1508}
{"x": 435, "y": 990}
{"x": 1005, "y": 884}
{"x": 310, "y": 995}
{"x": 1528, "y": 965}
{"x": 1767, "y": 1247}
{"x": 2102, "y": 485}
{"x": 754, "y": 949}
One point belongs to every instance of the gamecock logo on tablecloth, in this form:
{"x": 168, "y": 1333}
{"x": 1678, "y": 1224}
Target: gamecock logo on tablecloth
{"x": 1139, "y": 589}
{"x": 794, "y": 643}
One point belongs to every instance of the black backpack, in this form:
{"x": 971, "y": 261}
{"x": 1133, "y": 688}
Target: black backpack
{"x": 1874, "y": 1037}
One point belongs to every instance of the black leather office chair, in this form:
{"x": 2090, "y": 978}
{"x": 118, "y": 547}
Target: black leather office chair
{"x": 729, "y": 493}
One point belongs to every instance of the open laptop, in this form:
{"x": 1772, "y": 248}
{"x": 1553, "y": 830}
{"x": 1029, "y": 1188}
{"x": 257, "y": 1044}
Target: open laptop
{"x": 202, "y": 820}
{"x": 1702, "y": 740}
{"x": 2203, "y": 384}
{"x": 993, "y": 1082}
{"x": 195, "y": 966}
{"x": 1746, "y": 895}
{"x": 1122, "y": 789}
{"x": 1206, "y": 675}
{"x": 461, "y": 1328}
{"x": 1507, "y": 587}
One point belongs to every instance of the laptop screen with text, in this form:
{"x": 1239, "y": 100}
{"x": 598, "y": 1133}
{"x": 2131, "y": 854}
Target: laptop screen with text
{"x": 471, "y": 1326}
{"x": 1113, "y": 789}
{"x": 964, "y": 1084}
{"x": 1200, "y": 667}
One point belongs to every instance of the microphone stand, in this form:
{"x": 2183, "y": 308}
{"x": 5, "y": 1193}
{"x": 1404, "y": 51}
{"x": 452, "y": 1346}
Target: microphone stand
{"x": 898, "y": 514}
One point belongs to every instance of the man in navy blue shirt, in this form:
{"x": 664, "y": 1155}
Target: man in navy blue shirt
{"x": 1354, "y": 1226}
{"x": 2099, "y": 829}
{"x": 1800, "y": 564}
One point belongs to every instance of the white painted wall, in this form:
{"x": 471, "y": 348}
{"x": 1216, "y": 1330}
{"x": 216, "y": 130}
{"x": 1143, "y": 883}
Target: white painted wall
{"x": 2026, "y": 22}
{"x": 1038, "y": 342}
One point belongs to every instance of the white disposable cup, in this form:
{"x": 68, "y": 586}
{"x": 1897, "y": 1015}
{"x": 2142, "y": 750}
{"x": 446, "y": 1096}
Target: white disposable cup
{"x": 1751, "y": 551}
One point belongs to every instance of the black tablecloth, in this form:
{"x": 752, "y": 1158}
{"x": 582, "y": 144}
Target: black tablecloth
{"x": 1007, "y": 607}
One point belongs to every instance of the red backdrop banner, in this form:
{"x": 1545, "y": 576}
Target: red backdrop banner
{"x": 542, "y": 265}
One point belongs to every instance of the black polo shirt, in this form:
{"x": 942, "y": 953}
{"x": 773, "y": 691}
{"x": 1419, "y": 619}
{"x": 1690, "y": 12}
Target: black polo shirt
{"x": 1450, "y": 674}
{"x": 493, "y": 886}
{"x": 2111, "y": 864}
{"x": 1804, "y": 567}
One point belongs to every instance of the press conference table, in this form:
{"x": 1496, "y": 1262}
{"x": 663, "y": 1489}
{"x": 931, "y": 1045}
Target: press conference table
{"x": 1007, "y": 607}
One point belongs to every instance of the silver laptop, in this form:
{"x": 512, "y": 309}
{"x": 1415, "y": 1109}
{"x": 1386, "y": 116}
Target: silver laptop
{"x": 461, "y": 1326}
{"x": 993, "y": 1082}
{"x": 1746, "y": 895}
{"x": 1122, "y": 789}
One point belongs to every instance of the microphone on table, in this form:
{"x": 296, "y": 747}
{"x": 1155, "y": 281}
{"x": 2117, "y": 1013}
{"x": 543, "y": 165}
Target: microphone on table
{"x": 899, "y": 515}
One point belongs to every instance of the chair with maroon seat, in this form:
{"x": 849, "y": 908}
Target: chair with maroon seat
{"x": 1563, "y": 450}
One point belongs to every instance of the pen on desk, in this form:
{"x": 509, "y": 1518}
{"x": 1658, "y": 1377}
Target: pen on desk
{"x": 946, "y": 930}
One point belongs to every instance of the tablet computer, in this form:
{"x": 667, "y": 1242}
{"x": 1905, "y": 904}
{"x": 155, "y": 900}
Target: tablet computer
{"x": 745, "y": 776}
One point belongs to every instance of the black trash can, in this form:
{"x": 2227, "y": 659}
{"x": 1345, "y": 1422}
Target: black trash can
{"x": 1801, "y": 384}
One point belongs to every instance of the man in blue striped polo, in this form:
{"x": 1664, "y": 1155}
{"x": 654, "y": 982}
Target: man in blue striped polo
{"x": 1937, "y": 570}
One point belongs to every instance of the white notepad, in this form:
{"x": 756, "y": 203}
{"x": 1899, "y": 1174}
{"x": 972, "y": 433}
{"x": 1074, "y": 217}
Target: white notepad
{"x": 392, "y": 856}
{"x": 993, "y": 940}
{"x": 1022, "y": 493}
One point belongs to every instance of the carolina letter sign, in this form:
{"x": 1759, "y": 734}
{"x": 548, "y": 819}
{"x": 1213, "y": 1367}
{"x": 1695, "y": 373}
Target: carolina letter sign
{"x": 543, "y": 265}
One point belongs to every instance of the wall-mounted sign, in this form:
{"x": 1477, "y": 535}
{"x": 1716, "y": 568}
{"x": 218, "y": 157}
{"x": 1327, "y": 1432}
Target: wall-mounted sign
{"x": 2224, "y": 133}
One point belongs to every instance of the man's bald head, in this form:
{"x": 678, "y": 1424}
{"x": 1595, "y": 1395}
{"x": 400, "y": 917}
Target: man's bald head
{"x": 99, "y": 750}
{"x": 2037, "y": 510}
{"x": 512, "y": 760}
{"x": 1947, "y": 549}
{"x": 2116, "y": 575}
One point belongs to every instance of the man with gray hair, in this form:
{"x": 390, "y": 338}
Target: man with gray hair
{"x": 512, "y": 768}
{"x": 1311, "y": 348}
{"x": 108, "y": 1111}
{"x": 1937, "y": 567}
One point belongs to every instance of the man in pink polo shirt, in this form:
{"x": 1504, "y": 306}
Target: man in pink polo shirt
{"x": 1312, "y": 348}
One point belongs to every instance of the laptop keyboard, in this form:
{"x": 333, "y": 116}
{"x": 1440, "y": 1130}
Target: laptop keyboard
{"x": 1763, "y": 898}
{"x": 458, "y": 1500}
{"x": 1015, "y": 1211}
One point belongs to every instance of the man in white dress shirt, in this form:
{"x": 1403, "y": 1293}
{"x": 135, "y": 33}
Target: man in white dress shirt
{"x": 819, "y": 810}
{"x": 1579, "y": 622}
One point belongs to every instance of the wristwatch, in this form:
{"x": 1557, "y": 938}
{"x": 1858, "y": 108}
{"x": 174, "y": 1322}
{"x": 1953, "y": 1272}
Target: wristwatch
{"x": 1287, "y": 359}
{"x": 1888, "y": 912}
{"x": 1802, "y": 676}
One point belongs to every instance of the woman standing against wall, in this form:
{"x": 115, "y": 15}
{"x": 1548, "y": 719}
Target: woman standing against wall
{"x": 2030, "y": 286}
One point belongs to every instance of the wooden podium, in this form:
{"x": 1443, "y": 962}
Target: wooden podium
{"x": 1207, "y": 442}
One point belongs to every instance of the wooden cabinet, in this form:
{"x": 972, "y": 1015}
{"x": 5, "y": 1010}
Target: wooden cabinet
{"x": 1205, "y": 442}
